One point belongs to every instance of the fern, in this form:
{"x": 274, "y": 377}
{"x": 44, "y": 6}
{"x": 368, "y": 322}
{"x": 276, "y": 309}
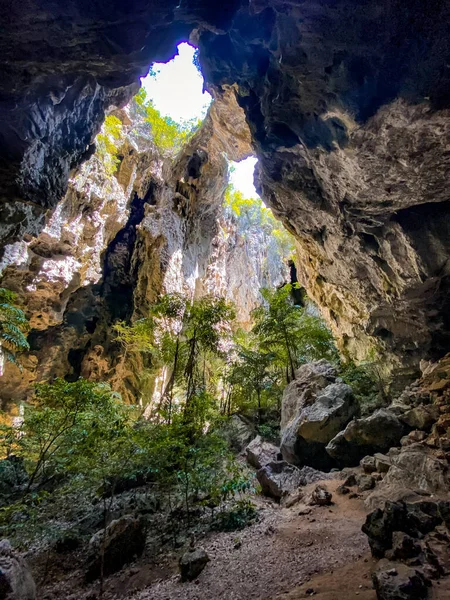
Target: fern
{"x": 13, "y": 328}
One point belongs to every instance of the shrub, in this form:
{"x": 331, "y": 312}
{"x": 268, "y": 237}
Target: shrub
{"x": 13, "y": 327}
{"x": 107, "y": 141}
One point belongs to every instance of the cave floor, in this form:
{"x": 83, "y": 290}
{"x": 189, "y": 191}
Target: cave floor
{"x": 283, "y": 555}
{"x": 286, "y": 555}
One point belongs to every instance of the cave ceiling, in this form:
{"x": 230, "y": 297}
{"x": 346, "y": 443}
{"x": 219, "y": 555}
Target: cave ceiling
{"x": 348, "y": 106}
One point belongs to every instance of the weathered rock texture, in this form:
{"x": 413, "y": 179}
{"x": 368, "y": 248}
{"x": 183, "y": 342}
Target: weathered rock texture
{"x": 348, "y": 111}
{"x": 115, "y": 243}
{"x": 16, "y": 581}
{"x": 315, "y": 408}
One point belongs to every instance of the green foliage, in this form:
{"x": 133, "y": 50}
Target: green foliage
{"x": 66, "y": 423}
{"x": 241, "y": 515}
{"x": 107, "y": 140}
{"x": 368, "y": 384}
{"x": 293, "y": 335}
{"x": 13, "y": 326}
{"x": 283, "y": 337}
{"x": 188, "y": 339}
{"x": 168, "y": 135}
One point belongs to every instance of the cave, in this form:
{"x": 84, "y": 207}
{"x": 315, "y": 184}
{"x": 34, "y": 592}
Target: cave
{"x": 339, "y": 121}
{"x": 343, "y": 110}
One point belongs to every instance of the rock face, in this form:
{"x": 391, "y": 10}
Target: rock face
{"x": 259, "y": 453}
{"x": 376, "y": 433}
{"x": 350, "y": 125}
{"x": 116, "y": 242}
{"x": 238, "y": 432}
{"x": 415, "y": 536}
{"x": 16, "y": 581}
{"x": 314, "y": 410}
{"x": 415, "y": 470}
{"x": 124, "y": 540}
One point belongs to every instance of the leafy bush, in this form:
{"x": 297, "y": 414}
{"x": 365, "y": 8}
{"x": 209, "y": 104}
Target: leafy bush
{"x": 241, "y": 515}
{"x": 367, "y": 383}
{"x": 168, "y": 135}
{"x": 13, "y": 327}
{"x": 107, "y": 140}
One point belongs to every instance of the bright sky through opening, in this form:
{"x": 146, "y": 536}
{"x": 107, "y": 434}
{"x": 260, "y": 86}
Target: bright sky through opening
{"x": 177, "y": 91}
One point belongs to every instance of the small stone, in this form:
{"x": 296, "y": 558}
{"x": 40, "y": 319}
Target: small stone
{"x": 192, "y": 564}
{"x": 321, "y": 496}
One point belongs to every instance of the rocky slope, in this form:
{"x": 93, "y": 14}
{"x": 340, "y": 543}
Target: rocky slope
{"x": 116, "y": 242}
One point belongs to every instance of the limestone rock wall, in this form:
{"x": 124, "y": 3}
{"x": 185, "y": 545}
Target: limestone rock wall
{"x": 347, "y": 106}
{"x": 115, "y": 243}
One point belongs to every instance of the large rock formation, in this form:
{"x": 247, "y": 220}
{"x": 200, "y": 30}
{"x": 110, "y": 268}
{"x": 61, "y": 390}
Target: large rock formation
{"x": 116, "y": 242}
{"x": 315, "y": 408}
{"x": 348, "y": 111}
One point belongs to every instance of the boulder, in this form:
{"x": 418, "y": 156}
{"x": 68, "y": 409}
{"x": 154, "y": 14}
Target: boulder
{"x": 278, "y": 479}
{"x": 414, "y": 519}
{"x": 122, "y": 542}
{"x": 238, "y": 432}
{"x": 368, "y": 464}
{"x": 382, "y": 462}
{"x": 421, "y": 417}
{"x": 395, "y": 581}
{"x": 376, "y": 433}
{"x": 260, "y": 453}
{"x": 309, "y": 379}
{"x": 192, "y": 564}
{"x": 16, "y": 581}
{"x": 313, "y": 412}
{"x": 320, "y": 496}
{"x": 415, "y": 470}
{"x": 365, "y": 482}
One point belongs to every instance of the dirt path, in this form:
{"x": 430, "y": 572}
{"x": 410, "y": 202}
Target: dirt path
{"x": 271, "y": 558}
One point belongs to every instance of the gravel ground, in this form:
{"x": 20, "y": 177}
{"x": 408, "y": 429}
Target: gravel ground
{"x": 282, "y": 551}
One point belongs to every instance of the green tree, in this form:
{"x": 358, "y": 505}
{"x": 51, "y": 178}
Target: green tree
{"x": 107, "y": 141}
{"x": 62, "y": 421}
{"x": 290, "y": 332}
{"x": 252, "y": 374}
{"x": 13, "y": 327}
{"x": 168, "y": 135}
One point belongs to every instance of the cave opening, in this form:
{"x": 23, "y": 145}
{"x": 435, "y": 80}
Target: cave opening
{"x": 176, "y": 88}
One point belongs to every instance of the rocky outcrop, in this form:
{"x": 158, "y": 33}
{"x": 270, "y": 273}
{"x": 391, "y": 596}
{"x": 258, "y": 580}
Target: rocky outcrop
{"x": 120, "y": 544}
{"x": 259, "y": 453}
{"x": 376, "y": 433}
{"x": 314, "y": 410}
{"x": 116, "y": 242}
{"x": 412, "y": 539}
{"x": 279, "y": 479}
{"x": 16, "y": 581}
{"x": 350, "y": 125}
{"x": 415, "y": 470}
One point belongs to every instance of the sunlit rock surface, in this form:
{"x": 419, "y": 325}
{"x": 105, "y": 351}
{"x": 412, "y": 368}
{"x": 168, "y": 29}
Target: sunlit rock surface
{"x": 116, "y": 242}
{"x": 348, "y": 111}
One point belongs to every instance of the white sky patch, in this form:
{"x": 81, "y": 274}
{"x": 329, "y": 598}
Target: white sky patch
{"x": 177, "y": 92}
{"x": 242, "y": 177}
{"x": 177, "y": 88}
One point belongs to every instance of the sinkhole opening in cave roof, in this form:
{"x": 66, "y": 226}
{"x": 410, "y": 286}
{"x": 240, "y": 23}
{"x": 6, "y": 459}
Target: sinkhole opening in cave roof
{"x": 176, "y": 89}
